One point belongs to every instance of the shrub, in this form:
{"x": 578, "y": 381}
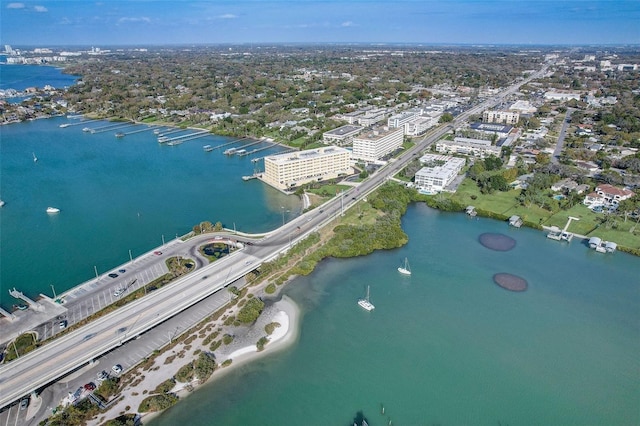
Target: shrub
{"x": 185, "y": 374}
{"x": 270, "y": 328}
{"x": 157, "y": 402}
{"x": 270, "y": 289}
{"x": 165, "y": 386}
{"x": 227, "y": 338}
{"x": 262, "y": 342}
{"x": 205, "y": 365}
{"x": 251, "y": 311}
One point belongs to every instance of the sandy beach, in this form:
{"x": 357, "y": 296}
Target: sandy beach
{"x": 144, "y": 378}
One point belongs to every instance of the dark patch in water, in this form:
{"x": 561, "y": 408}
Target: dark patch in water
{"x": 510, "y": 282}
{"x": 498, "y": 242}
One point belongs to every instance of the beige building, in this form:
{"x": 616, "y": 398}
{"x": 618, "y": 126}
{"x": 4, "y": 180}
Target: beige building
{"x": 286, "y": 171}
{"x": 506, "y": 117}
{"x": 377, "y": 143}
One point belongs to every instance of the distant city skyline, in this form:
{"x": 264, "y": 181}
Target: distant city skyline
{"x": 156, "y": 22}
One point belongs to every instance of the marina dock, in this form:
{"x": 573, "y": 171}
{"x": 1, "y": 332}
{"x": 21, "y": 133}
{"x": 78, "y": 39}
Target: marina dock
{"x": 146, "y": 129}
{"x": 177, "y": 140}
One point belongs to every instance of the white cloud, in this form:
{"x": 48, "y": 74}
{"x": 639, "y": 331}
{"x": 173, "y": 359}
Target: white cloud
{"x": 228, "y": 16}
{"x": 348, "y": 24}
{"x": 128, "y": 19}
{"x": 15, "y": 6}
{"x": 40, "y": 9}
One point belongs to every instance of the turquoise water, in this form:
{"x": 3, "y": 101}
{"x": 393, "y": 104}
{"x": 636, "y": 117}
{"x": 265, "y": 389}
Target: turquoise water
{"x": 448, "y": 346}
{"x": 115, "y": 195}
{"x": 19, "y": 77}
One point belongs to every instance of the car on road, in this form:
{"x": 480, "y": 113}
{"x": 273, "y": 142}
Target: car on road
{"x": 102, "y": 376}
{"x": 23, "y": 404}
{"x": 117, "y": 369}
{"x": 122, "y": 271}
{"x": 157, "y": 252}
{"x": 90, "y": 386}
{"x": 113, "y": 275}
{"x": 118, "y": 292}
{"x": 62, "y": 324}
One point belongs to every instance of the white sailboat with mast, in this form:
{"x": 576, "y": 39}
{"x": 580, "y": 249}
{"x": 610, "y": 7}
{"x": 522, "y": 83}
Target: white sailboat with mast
{"x": 365, "y": 304}
{"x": 404, "y": 268}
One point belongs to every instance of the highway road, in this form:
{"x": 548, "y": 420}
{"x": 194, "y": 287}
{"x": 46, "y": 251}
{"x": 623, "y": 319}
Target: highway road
{"x": 43, "y": 366}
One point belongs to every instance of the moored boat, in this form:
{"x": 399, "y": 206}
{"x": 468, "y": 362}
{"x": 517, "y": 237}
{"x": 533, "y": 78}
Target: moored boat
{"x": 53, "y": 210}
{"x": 365, "y": 303}
{"x": 207, "y": 148}
{"x": 404, "y": 268}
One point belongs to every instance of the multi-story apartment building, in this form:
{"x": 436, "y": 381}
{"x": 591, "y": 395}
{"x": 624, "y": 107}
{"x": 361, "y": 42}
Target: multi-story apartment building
{"x": 377, "y": 143}
{"x": 398, "y": 120}
{"x": 342, "y": 135}
{"x": 286, "y": 171}
{"x": 438, "y": 172}
{"x": 506, "y": 117}
{"x": 468, "y": 146}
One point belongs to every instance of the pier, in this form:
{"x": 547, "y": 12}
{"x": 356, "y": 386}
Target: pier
{"x": 19, "y": 295}
{"x": 146, "y": 129}
{"x": 180, "y": 139}
{"x": 111, "y": 127}
{"x": 77, "y": 124}
{"x": 172, "y": 131}
{"x": 558, "y": 235}
{"x": 228, "y": 143}
{"x": 7, "y": 314}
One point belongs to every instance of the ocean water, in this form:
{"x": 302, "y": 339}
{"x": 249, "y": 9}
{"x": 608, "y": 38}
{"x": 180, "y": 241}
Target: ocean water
{"x": 447, "y": 346}
{"x": 19, "y": 77}
{"x": 115, "y": 195}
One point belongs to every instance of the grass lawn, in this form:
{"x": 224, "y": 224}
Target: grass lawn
{"x": 625, "y": 234}
{"x": 329, "y": 190}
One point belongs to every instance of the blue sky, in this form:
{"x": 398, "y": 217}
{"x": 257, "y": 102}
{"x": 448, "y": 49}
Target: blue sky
{"x": 144, "y": 22}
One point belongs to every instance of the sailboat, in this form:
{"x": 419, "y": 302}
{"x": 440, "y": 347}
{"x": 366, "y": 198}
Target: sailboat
{"x": 35, "y": 159}
{"x": 365, "y": 304}
{"x": 404, "y": 268}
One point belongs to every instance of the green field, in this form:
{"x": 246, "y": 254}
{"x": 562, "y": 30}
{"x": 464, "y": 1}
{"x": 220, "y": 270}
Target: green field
{"x": 625, "y": 234}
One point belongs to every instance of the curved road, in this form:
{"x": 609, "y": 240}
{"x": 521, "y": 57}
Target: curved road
{"x": 43, "y": 366}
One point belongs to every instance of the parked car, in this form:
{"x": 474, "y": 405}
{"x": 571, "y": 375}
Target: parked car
{"x": 117, "y": 368}
{"x": 24, "y": 404}
{"x": 122, "y": 271}
{"x": 118, "y": 292}
{"x": 89, "y": 386}
{"x": 157, "y": 252}
{"x": 63, "y": 324}
{"x": 113, "y": 275}
{"x": 103, "y": 375}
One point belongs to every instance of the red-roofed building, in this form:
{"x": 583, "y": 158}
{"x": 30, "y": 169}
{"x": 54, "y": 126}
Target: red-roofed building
{"x": 607, "y": 194}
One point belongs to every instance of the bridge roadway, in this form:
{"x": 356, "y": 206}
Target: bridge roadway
{"x": 42, "y": 366}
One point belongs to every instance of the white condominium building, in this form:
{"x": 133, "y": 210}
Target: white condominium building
{"x": 342, "y": 135}
{"x": 377, "y": 143}
{"x": 286, "y": 171}
{"x": 438, "y": 172}
{"x": 507, "y": 117}
{"x": 468, "y": 146}
{"x": 399, "y": 120}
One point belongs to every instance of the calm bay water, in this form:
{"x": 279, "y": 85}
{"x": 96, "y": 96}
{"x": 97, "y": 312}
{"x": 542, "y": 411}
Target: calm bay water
{"x": 446, "y": 345}
{"x": 115, "y": 195}
{"x": 19, "y": 77}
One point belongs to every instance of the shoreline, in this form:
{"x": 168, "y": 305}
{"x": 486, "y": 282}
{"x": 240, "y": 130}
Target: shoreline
{"x": 241, "y": 351}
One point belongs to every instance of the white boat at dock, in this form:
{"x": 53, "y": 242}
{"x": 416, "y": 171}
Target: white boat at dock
{"x": 163, "y": 139}
{"x": 86, "y": 129}
{"x": 365, "y": 303}
{"x": 241, "y": 151}
{"x": 207, "y": 148}
{"x": 53, "y": 210}
{"x": 62, "y": 126}
{"x": 230, "y": 151}
{"x": 404, "y": 268}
